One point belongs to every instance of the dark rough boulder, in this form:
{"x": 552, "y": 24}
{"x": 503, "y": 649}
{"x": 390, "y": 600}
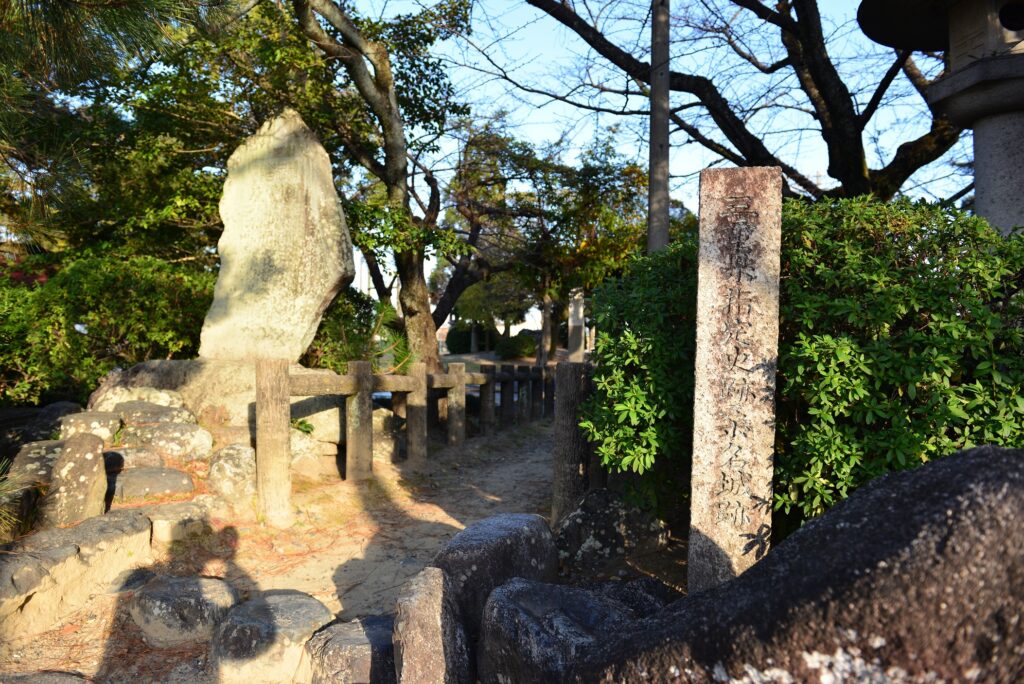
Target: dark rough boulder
{"x": 489, "y": 553}
{"x": 172, "y": 611}
{"x": 554, "y": 624}
{"x": 429, "y": 639}
{"x": 919, "y": 576}
{"x": 78, "y": 483}
{"x": 139, "y": 482}
{"x": 262, "y": 639}
{"x": 602, "y": 529}
{"x": 359, "y": 650}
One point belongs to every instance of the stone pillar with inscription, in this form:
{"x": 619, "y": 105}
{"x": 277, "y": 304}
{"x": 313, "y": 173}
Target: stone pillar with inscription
{"x": 737, "y": 353}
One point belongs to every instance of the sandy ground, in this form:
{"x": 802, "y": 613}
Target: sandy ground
{"x": 352, "y": 548}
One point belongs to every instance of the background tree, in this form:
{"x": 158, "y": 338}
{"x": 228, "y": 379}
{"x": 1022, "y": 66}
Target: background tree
{"x": 766, "y": 77}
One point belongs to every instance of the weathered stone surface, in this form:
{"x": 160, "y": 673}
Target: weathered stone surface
{"x": 605, "y": 528}
{"x": 359, "y": 650}
{"x": 172, "y": 611}
{"x": 534, "y": 632}
{"x": 32, "y": 467}
{"x": 46, "y": 424}
{"x": 737, "y": 353}
{"x": 177, "y": 521}
{"x": 103, "y": 424}
{"x": 180, "y": 441}
{"x": 285, "y": 251}
{"x": 139, "y": 482}
{"x": 918, "y": 577}
{"x": 137, "y": 412}
{"x": 49, "y": 574}
{"x": 113, "y": 391}
{"x": 430, "y": 644}
{"x": 120, "y": 458}
{"x": 233, "y": 473}
{"x": 262, "y": 639}
{"x": 306, "y": 452}
{"x": 78, "y": 483}
{"x": 42, "y": 678}
{"x": 222, "y": 393}
{"x": 388, "y": 431}
{"x": 489, "y": 553}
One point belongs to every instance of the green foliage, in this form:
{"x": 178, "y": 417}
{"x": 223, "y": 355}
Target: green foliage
{"x": 900, "y": 342}
{"x": 59, "y": 338}
{"x": 643, "y": 400}
{"x": 523, "y": 344}
{"x": 358, "y": 328}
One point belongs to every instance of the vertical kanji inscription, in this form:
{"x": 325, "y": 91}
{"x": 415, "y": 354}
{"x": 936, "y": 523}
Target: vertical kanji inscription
{"x": 737, "y": 352}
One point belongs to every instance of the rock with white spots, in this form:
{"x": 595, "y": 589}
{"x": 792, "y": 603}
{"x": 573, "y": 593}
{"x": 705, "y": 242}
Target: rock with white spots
{"x": 112, "y": 392}
{"x": 233, "y": 473}
{"x": 78, "y": 483}
{"x": 137, "y": 483}
{"x": 122, "y": 458}
{"x": 179, "y": 441}
{"x": 138, "y": 412}
{"x": 32, "y": 468}
{"x": 103, "y": 424}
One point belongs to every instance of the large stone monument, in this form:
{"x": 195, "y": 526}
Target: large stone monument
{"x": 285, "y": 251}
{"x": 737, "y": 352}
{"x": 984, "y": 40}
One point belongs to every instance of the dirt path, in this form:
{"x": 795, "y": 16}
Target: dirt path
{"x": 352, "y": 548}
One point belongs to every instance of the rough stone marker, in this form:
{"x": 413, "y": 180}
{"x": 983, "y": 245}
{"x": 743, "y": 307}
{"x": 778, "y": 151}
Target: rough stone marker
{"x": 737, "y": 353}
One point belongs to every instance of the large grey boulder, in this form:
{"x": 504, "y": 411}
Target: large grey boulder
{"x": 489, "y": 553}
{"x": 359, "y": 650}
{"x": 120, "y": 458}
{"x": 138, "y": 412}
{"x": 262, "y": 639}
{"x": 285, "y": 251}
{"x": 232, "y": 473}
{"x": 172, "y": 611}
{"x": 180, "y": 441}
{"x": 46, "y": 576}
{"x": 429, "y": 639}
{"x": 918, "y": 577}
{"x": 111, "y": 392}
{"x": 554, "y": 624}
{"x": 103, "y": 424}
{"x": 78, "y": 483}
{"x": 136, "y": 483}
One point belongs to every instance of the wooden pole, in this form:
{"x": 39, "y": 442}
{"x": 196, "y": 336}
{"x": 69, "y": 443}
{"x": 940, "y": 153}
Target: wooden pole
{"x": 359, "y": 424}
{"x": 536, "y": 393}
{"x": 574, "y": 457}
{"x": 457, "y": 404}
{"x": 487, "y": 401}
{"x": 273, "y": 461}
{"x": 416, "y": 415}
{"x": 549, "y": 391}
{"x": 523, "y": 398}
{"x": 508, "y": 402}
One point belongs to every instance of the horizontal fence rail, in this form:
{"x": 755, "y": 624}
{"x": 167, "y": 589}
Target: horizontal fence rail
{"x": 526, "y": 394}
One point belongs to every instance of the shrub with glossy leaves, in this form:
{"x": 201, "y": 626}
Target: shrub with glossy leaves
{"x": 60, "y": 336}
{"x": 900, "y": 342}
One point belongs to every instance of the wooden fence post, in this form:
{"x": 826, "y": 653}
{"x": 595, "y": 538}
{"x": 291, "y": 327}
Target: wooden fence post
{"x": 273, "y": 460}
{"x": 574, "y": 457}
{"x": 359, "y": 424}
{"x": 416, "y": 415}
{"x": 523, "y": 398}
{"x": 508, "y": 401}
{"x": 536, "y": 393}
{"x": 487, "y": 401}
{"x": 457, "y": 404}
{"x": 549, "y": 391}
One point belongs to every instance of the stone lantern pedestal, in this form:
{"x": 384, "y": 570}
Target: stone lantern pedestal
{"x": 984, "y": 40}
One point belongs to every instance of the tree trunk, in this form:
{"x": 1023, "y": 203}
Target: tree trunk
{"x": 545, "y": 330}
{"x": 657, "y": 189}
{"x": 414, "y": 299}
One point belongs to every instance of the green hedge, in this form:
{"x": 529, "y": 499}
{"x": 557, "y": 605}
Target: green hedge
{"x": 58, "y": 338}
{"x": 900, "y": 342}
{"x": 517, "y": 346}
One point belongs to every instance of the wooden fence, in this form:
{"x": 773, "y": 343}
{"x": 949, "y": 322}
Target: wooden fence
{"x": 527, "y": 393}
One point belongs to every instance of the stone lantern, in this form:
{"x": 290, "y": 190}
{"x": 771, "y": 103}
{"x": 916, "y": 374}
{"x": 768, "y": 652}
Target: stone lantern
{"x": 984, "y": 90}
